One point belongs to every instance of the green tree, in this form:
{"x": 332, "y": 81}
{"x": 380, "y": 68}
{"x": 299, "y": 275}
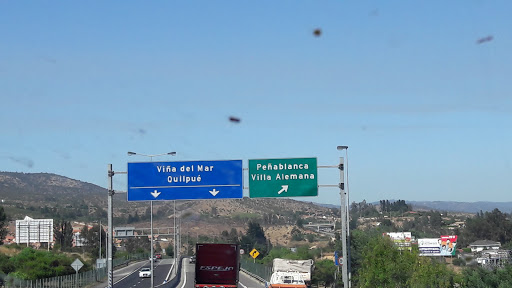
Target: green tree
{"x": 255, "y": 238}
{"x": 278, "y": 252}
{"x": 358, "y": 241}
{"x": 63, "y": 234}
{"x": 480, "y": 277}
{"x": 233, "y": 236}
{"x": 383, "y": 265}
{"x": 435, "y": 219}
{"x": 495, "y": 226}
{"x": 428, "y": 273}
{"x": 92, "y": 239}
{"x": 3, "y": 225}
{"x": 300, "y": 223}
{"x": 138, "y": 245}
{"x": 5, "y": 265}
{"x": 297, "y": 234}
{"x": 324, "y": 273}
{"x": 170, "y": 251}
{"x": 158, "y": 247}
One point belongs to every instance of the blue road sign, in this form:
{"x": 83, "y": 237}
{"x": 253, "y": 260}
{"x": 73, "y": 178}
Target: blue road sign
{"x": 337, "y": 258}
{"x": 185, "y": 180}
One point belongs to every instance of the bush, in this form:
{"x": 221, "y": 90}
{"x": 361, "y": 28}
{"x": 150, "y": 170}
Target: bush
{"x": 33, "y": 264}
{"x": 458, "y": 262}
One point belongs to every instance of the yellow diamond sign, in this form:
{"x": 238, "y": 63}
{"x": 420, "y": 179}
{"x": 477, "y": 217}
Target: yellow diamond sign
{"x": 254, "y": 253}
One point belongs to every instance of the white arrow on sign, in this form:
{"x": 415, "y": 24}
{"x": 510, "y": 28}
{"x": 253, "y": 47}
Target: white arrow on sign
{"x": 284, "y": 189}
{"x": 214, "y": 192}
{"x": 155, "y": 193}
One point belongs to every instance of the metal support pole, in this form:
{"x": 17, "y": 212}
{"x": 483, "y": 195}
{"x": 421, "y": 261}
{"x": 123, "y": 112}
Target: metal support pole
{"x": 100, "y": 238}
{"x": 152, "y": 283}
{"x": 109, "y": 234}
{"x": 174, "y": 232}
{"x": 349, "y": 262}
{"x": 179, "y": 235}
{"x": 343, "y": 216}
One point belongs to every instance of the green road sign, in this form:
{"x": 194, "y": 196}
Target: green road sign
{"x": 293, "y": 177}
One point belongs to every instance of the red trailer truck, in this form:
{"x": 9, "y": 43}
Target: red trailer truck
{"x": 217, "y": 265}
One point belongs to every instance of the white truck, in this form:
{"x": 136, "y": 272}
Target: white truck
{"x": 291, "y": 273}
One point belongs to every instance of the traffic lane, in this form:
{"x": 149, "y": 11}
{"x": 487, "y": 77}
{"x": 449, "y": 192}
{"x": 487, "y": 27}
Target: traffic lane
{"x": 122, "y": 272}
{"x": 160, "y": 272}
{"x": 188, "y": 275}
{"x": 246, "y": 281}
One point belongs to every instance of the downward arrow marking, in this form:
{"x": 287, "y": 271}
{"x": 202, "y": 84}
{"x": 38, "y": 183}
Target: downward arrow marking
{"x": 214, "y": 192}
{"x": 155, "y": 193}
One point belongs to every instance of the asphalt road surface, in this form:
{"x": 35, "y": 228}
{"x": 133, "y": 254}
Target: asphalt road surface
{"x": 129, "y": 276}
{"x": 160, "y": 271}
{"x": 188, "y": 273}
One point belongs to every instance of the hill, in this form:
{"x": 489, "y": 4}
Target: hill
{"x": 451, "y": 206}
{"x": 44, "y": 195}
{"x": 467, "y": 207}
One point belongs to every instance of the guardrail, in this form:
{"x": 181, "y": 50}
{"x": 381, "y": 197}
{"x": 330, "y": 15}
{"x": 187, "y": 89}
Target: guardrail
{"x": 256, "y": 270}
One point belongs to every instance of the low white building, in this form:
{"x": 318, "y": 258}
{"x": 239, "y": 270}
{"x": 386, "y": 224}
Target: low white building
{"x": 493, "y": 257}
{"x": 481, "y": 245}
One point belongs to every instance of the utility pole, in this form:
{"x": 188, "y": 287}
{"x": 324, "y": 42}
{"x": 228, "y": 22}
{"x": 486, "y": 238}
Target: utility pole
{"x": 174, "y": 230}
{"x": 343, "y": 216}
{"x": 109, "y": 234}
{"x": 152, "y": 254}
{"x": 100, "y": 238}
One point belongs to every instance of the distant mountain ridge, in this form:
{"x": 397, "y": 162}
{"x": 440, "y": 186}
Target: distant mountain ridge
{"x": 46, "y": 187}
{"x": 36, "y": 189}
{"x": 467, "y": 207}
{"x": 30, "y": 194}
{"x": 46, "y": 195}
{"x": 451, "y": 206}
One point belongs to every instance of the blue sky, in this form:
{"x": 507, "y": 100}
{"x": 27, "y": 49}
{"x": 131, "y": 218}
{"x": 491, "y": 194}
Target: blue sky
{"x": 424, "y": 108}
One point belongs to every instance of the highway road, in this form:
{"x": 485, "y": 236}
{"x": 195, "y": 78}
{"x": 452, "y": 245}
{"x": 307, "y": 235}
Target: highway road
{"x": 129, "y": 277}
{"x": 188, "y": 273}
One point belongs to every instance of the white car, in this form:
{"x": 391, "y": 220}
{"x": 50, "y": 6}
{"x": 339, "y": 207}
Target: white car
{"x": 145, "y": 272}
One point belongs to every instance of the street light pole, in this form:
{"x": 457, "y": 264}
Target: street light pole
{"x": 174, "y": 230}
{"x": 344, "y": 215}
{"x": 109, "y": 231}
{"x": 349, "y": 264}
{"x": 99, "y": 232}
{"x": 130, "y": 153}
